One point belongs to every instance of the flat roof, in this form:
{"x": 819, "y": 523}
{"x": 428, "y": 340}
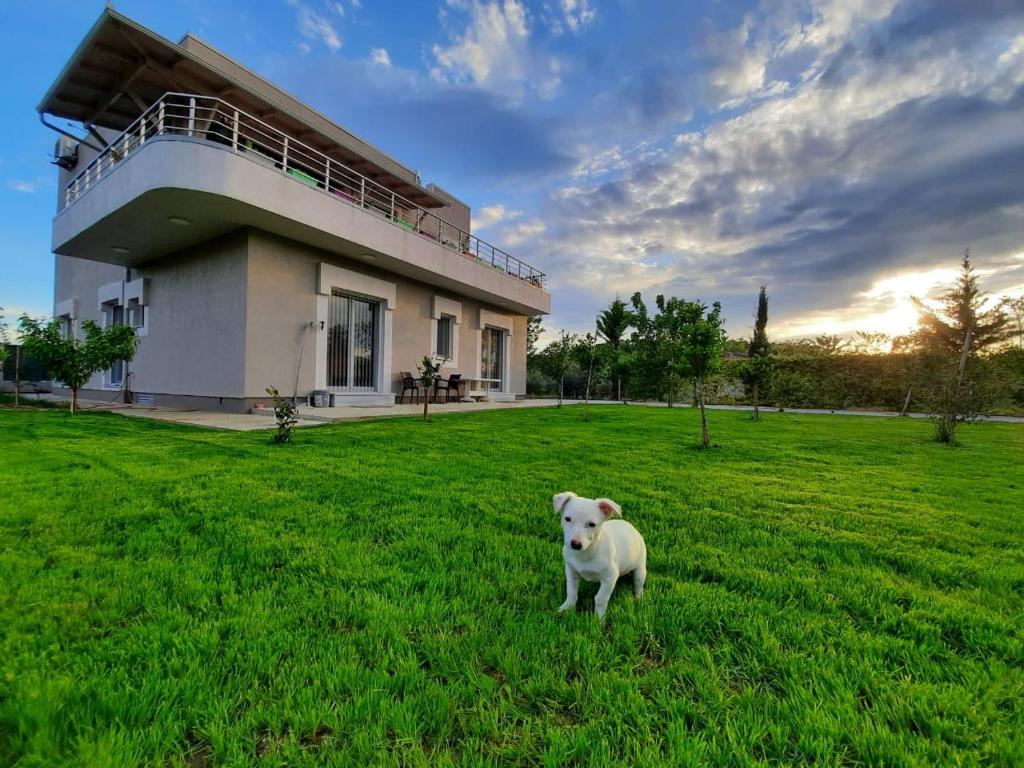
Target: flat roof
{"x": 120, "y": 68}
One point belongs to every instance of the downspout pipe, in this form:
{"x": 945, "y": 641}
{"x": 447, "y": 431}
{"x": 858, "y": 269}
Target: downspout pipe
{"x": 62, "y": 132}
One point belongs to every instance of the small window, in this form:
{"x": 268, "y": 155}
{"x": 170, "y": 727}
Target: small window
{"x": 445, "y": 347}
{"x": 113, "y": 315}
{"x": 67, "y": 326}
{"x": 136, "y": 314}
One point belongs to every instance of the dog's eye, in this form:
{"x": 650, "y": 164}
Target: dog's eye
{"x": 568, "y": 519}
{"x": 591, "y": 525}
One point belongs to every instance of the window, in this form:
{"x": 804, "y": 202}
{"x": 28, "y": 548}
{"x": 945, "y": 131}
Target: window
{"x": 67, "y": 326}
{"x": 445, "y": 337}
{"x": 492, "y": 358}
{"x": 352, "y": 343}
{"x": 136, "y": 314}
{"x": 113, "y": 315}
{"x": 445, "y": 319}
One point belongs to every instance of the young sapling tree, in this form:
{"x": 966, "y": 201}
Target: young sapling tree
{"x": 950, "y": 339}
{"x": 591, "y": 358}
{"x": 285, "y": 414}
{"x": 557, "y": 359}
{"x": 71, "y": 361}
{"x": 430, "y": 373}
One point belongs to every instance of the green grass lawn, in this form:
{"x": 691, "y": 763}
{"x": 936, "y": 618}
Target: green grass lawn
{"x": 828, "y": 590}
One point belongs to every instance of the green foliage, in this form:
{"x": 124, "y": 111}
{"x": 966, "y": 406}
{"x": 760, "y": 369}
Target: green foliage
{"x": 557, "y": 359}
{"x": 592, "y": 358}
{"x": 756, "y": 371}
{"x": 284, "y": 414}
{"x": 828, "y": 591}
{"x": 653, "y": 348}
{"x": 71, "y": 361}
{"x": 682, "y": 343}
{"x": 951, "y": 340}
{"x": 943, "y": 330}
{"x": 533, "y": 331}
{"x": 1014, "y": 309}
{"x": 4, "y": 352}
{"x": 612, "y": 324}
{"x": 759, "y": 339}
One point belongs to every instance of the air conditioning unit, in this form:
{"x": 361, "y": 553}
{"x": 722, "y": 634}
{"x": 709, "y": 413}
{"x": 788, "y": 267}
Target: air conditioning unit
{"x": 65, "y": 153}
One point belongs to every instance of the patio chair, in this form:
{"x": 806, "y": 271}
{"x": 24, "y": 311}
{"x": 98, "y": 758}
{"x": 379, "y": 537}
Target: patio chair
{"x": 410, "y": 382}
{"x": 449, "y": 385}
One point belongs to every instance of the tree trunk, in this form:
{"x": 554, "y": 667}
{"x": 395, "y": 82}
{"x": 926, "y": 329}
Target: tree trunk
{"x": 426, "y": 402}
{"x": 906, "y": 403}
{"x": 705, "y": 439}
{"x": 618, "y": 389}
{"x": 757, "y": 415}
{"x": 74, "y": 400}
{"x": 696, "y": 398}
{"x": 586, "y": 395}
{"x": 964, "y": 354}
{"x": 17, "y": 375}
{"x": 947, "y": 424}
{"x": 561, "y": 388}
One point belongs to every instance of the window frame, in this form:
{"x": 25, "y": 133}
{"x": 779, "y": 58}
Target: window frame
{"x": 109, "y": 321}
{"x": 446, "y": 352}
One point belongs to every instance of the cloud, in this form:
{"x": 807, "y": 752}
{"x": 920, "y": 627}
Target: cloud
{"x": 493, "y": 53}
{"x": 568, "y": 15}
{"x": 490, "y": 215}
{"x": 520, "y": 233}
{"x": 11, "y": 314}
{"x": 466, "y": 134}
{"x": 822, "y": 188}
{"x": 18, "y": 185}
{"x": 315, "y": 27}
{"x": 380, "y": 56}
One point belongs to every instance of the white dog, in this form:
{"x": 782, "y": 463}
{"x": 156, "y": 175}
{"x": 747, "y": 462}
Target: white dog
{"x": 598, "y": 549}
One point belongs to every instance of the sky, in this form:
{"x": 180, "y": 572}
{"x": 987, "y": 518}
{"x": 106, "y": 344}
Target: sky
{"x": 842, "y": 152}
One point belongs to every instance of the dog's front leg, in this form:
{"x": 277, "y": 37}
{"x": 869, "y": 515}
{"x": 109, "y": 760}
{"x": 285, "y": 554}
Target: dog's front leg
{"x": 572, "y": 585}
{"x": 604, "y": 594}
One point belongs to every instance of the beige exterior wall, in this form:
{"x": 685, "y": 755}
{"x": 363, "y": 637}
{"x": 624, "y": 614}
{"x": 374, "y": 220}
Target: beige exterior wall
{"x": 230, "y": 317}
{"x": 196, "y": 326}
{"x": 193, "y": 342}
{"x": 282, "y": 290}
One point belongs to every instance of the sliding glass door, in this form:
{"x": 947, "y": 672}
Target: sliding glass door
{"x": 352, "y": 343}
{"x": 492, "y": 358}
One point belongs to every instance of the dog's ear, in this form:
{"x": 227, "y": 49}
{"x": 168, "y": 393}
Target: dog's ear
{"x": 559, "y": 500}
{"x": 609, "y": 507}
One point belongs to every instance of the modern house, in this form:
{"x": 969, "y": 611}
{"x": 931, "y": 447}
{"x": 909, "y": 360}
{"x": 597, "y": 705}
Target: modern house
{"x": 253, "y": 242}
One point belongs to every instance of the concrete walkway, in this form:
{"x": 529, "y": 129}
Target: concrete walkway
{"x": 263, "y": 418}
{"x": 841, "y": 412}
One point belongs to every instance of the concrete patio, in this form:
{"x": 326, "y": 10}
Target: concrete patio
{"x": 263, "y": 418}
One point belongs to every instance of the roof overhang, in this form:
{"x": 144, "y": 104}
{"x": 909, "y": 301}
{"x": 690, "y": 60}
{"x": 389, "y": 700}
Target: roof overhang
{"x": 121, "y": 68}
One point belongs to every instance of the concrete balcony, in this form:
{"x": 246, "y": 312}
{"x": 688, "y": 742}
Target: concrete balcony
{"x": 185, "y": 173}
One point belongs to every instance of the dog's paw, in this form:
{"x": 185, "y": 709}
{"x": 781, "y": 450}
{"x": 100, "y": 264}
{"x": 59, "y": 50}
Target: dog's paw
{"x": 566, "y": 607}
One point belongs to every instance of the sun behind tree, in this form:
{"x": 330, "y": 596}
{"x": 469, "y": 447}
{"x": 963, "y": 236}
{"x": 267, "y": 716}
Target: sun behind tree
{"x": 950, "y": 338}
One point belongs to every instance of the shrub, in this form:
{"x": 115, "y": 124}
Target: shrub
{"x": 285, "y": 415}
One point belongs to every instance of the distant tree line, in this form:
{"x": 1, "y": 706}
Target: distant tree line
{"x": 966, "y": 357}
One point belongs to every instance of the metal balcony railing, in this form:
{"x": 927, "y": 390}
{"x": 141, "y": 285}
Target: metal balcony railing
{"x": 214, "y": 120}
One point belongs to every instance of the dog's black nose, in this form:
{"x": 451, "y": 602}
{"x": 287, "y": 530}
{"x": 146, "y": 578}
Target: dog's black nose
{"x": 575, "y": 545}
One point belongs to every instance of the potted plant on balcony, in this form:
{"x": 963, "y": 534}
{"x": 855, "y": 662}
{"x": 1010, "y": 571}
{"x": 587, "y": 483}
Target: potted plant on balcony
{"x": 466, "y": 248}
